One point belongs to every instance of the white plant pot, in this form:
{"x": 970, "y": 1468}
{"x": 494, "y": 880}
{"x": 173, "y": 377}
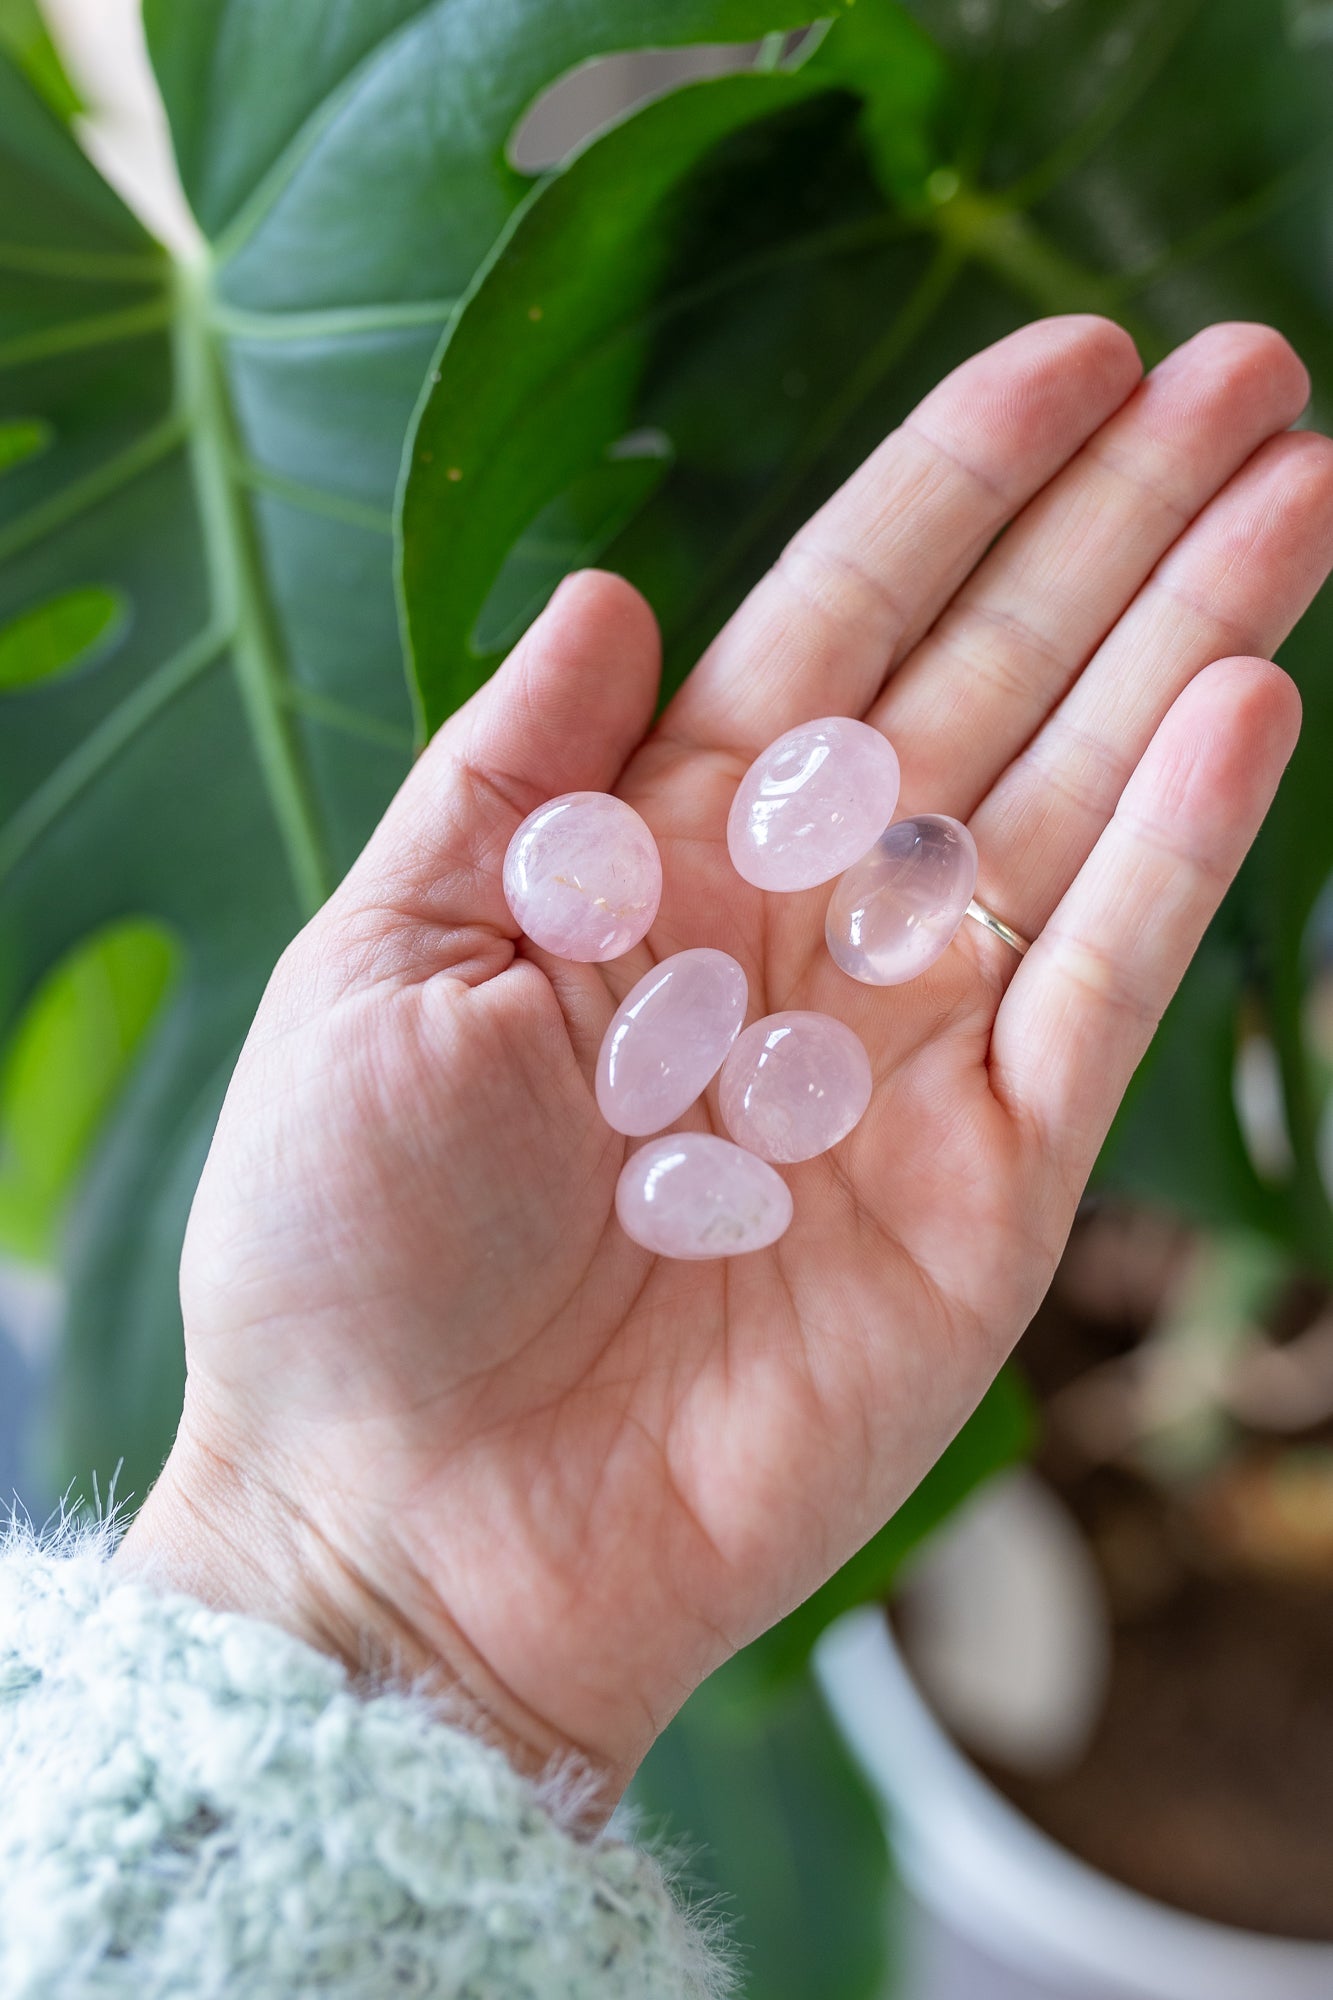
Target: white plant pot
{"x": 1023, "y": 1902}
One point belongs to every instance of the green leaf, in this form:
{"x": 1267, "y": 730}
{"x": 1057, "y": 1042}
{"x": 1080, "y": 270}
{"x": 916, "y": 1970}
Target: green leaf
{"x": 63, "y": 1070}
{"x": 790, "y": 291}
{"x": 903, "y": 82}
{"x": 222, "y": 441}
{"x": 782, "y": 1833}
{"x": 552, "y": 362}
{"x": 574, "y": 527}
{"x": 24, "y": 38}
{"x": 22, "y": 438}
{"x": 290, "y": 125}
{"x": 53, "y": 638}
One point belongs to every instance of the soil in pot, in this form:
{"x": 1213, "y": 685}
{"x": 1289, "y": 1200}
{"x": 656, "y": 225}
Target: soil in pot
{"x": 1208, "y": 1783}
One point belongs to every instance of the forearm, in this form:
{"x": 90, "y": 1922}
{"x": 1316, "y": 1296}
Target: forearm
{"x": 195, "y": 1800}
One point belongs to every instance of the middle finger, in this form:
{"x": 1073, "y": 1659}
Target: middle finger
{"x": 1234, "y": 585}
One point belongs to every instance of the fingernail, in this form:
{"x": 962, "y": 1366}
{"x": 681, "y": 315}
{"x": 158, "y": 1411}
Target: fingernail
{"x": 563, "y": 586}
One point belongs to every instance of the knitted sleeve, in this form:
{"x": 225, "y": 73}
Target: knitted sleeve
{"x": 195, "y": 1804}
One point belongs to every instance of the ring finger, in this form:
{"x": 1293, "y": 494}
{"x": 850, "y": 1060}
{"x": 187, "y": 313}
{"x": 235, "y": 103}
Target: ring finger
{"x": 1235, "y": 583}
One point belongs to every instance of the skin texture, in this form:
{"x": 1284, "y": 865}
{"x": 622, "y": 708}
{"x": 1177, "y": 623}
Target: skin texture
{"x": 441, "y": 1413}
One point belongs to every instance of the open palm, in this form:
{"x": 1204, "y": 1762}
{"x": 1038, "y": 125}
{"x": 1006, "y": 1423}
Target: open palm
{"x": 438, "y": 1401}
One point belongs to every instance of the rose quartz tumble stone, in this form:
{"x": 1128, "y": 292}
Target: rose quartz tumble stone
{"x": 691, "y": 1195}
{"x": 813, "y": 804}
{"x": 583, "y": 877}
{"x": 894, "y": 913}
{"x": 794, "y": 1085}
{"x": 667, "y": 1039}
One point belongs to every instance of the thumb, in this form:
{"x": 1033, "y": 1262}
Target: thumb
{"x": 563, "y": 713}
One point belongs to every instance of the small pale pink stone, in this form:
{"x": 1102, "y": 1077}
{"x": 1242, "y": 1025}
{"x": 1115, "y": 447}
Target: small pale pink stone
{"x": 812, "y": 804}
{"x": 667, "y": 1039}
{"x": 794, "y": 1085}
{"x": 894, "y": 913}
{"x": 691, "y": 1195}
{"x": 583, "y": 877}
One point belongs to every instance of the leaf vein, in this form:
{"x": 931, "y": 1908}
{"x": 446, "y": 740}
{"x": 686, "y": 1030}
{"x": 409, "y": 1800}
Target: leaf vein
{"x": 74, "y": 336}
{"x": 99, "y": 484}
{"x": 89, "y": 266}
{"x": 312, "y": 499}
{"x": 1227, "y": 226}
{"x": 240, "y": 598}
{"x": 102, "y": 745}
{"x": 332, "y": 323}
{"x": 268, "y": 191}
{"x": 1114, "y": 109}
{"x": 349, "y": 721}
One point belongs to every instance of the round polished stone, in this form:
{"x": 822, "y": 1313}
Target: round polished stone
{"x": 583, "y": 877}
{"x": 667, "y": 1039}
{"x": 894, "y": 913}
{"x": 794, "y": 1085}
{"x": 692, "y": 1195}
{"x": 812, "y": 804}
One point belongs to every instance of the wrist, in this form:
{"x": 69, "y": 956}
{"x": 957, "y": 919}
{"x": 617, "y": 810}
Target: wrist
{"x": 244, "y": 1542}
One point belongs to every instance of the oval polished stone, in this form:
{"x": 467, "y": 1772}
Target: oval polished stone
{"x": 692, "y": 1195}
{"x": 583, "y": 877}
{"x": 894, "y": 913}
{"x": 667, "y": 1039}
{"x": 794, "y": 1084}
{"x": 812, "y": 804}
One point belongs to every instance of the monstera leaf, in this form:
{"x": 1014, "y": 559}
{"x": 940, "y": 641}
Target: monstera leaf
{"x": 26, "y": 38}
{"x": 935, "y": 175}
{"x": 204, "y": 708}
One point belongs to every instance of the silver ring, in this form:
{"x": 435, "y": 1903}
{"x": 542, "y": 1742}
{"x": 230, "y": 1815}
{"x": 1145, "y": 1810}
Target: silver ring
{"x": 996, "y": 925}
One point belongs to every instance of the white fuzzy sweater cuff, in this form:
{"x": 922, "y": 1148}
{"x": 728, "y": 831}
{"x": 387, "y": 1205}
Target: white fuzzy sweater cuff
{"x": 194, "y": 1804}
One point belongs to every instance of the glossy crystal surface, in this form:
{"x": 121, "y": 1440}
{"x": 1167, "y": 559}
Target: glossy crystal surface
{"x": 667, "y": 1039}
{"x": 794, "y": 1085}
{"x": 812, "y": 804}
{"x": 891, "y": 916}
{"x": 582, "y": 877}
{"x": 692, "y": 1195}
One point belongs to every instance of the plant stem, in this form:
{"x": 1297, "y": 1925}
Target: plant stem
{"x": 240, "y": 597}
{"x": 1003, "y": 240}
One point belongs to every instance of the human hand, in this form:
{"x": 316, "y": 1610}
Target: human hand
{"x": 440, "y": 1408}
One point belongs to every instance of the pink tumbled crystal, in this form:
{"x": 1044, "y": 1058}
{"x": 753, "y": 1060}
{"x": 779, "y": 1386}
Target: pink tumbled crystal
{"x": 691, "y": 1195}
{"x": 583, "y": 877}
{"x": 794, "y": 1085}
{"x": 667, "y": 1039}
{"x": 894, "y": 913}
{"x": 812, "y": 804}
